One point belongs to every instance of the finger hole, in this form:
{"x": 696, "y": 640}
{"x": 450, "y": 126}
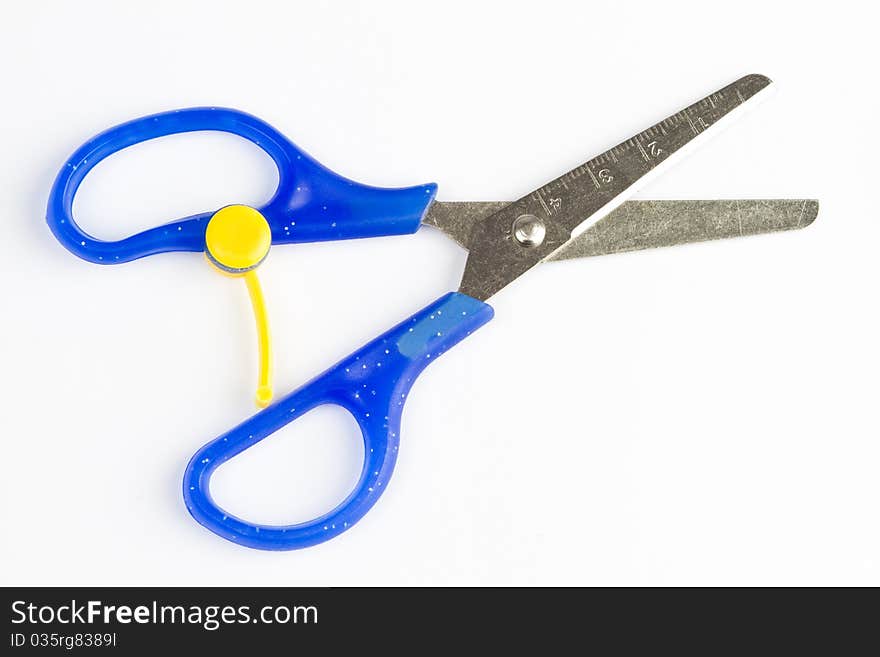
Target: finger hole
{"x": 299, "y": 473}
{"x": 171, "y": 177}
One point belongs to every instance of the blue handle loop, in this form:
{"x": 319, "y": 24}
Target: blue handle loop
{"x": 372, "y": 385}
{"x": 310, "y": 204}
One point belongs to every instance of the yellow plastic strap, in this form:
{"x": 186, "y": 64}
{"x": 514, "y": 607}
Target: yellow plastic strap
{"x": 264, "y": 340}
{"x": 237, "y": 240}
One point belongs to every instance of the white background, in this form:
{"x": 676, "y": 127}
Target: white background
{"x": 699, "y": 415}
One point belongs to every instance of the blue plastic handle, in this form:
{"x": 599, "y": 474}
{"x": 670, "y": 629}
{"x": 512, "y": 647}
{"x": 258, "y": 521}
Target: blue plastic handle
{"x": 372, "y": 385}
{"x": 311, "y": 203}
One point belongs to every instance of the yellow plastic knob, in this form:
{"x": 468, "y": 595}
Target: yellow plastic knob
{"x": 237, "y": 239}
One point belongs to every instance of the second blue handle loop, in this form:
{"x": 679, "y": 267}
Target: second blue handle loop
{"x": 372, "y": 384}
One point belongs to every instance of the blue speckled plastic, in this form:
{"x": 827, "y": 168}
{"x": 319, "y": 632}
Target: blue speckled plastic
{"x": 372, "y": 384}
{"x": 311, "y": 203}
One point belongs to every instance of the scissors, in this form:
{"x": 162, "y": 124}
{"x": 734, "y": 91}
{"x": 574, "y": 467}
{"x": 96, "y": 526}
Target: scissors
{"x": 579, "y": 214}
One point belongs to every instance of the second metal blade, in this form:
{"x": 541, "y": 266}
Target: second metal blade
{"x": 637, "y": 225}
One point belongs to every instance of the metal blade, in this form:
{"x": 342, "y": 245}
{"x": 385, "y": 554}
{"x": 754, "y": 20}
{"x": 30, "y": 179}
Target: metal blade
{"x": 638, "y": 225}
{"x": 561, "y": 206}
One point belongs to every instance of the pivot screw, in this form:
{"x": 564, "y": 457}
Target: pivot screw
{"x": 529, "y": 231}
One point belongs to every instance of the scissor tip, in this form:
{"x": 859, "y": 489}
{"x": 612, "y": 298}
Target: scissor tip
{"x": 758, "y": 79}
{"x": 809, "y": 212}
